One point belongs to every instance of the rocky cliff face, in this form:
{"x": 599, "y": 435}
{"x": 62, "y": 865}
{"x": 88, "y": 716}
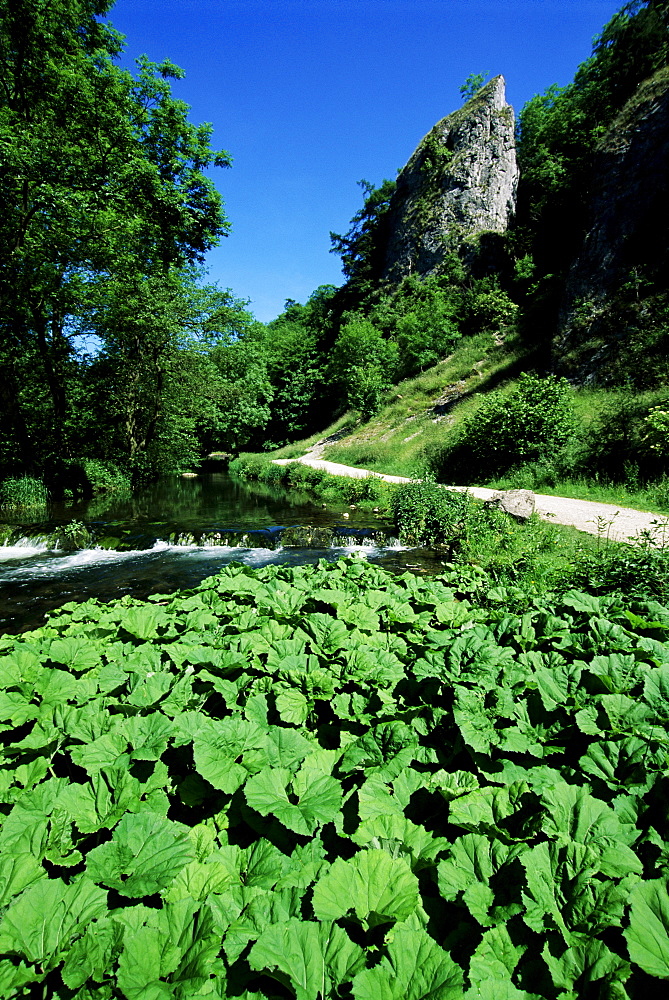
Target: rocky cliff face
{"x": 612, "y": 290}
{"x": 460, "y": 181}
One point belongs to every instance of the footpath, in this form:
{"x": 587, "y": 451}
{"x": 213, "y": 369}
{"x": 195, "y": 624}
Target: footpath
{"x": 621, "y": 524}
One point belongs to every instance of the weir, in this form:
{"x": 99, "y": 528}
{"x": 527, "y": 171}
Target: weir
{"x": 24, "y": 540}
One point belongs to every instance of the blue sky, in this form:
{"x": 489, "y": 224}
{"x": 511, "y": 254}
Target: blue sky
{"x": 310, "y": 96}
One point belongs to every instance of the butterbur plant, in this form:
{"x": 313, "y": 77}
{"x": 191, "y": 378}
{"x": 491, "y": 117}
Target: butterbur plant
{"x": 329, "y": 782}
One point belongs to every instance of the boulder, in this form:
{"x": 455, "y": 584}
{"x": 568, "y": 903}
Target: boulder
{"x": 518, "y": 504}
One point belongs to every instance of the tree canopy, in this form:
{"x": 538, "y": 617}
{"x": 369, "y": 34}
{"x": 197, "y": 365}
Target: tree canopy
{"x": 103, "y": 185}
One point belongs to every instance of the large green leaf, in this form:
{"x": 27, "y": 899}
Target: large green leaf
{"x": 144, "y": 621}
{"x": 585, "y": 963}
{"x": 317, "y": 797}
{"x": 292, "y": 706}
{"x": 77, "y": 654}
{"x": 377, "y": 888}
{"x": 398, "y": 835}
{"x": 262, "y": 911}
{"x": 145, "y": 855}
{"x": 218, "y": 746}
{"x": 648, "y": 931}
{"x": 495, "y": 958}
{"x": 148, "y": 735}
{"x": 55, "y": 687}
{"x": 416, "y": 968}
{"x": 503, "y": 989}
{"x": 311, "y": 959}
{"x": 543, "y": 902}
{"x": 47, "y": 917}
{"x": 93, "y": 954}
{"x": 179, "y": 943}
{"x": 384, "y": 751}
{"x": 17, "y": 872}
{"x": 110, "y": 750}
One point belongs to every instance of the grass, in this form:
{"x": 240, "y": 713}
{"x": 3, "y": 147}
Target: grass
{"x": 481, "y": 547}
{"x": 653, "y": 498}
{"x": 369, "y": 493}
{"x": 23, "y": 493}
{"x": 105, "y": 477}
{"x": 422, "y": 416}
{"x": 343, "y": 424}
{"x": 421, "y": 412}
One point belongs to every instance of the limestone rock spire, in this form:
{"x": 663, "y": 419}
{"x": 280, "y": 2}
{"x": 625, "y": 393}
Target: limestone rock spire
{"x": 460, "y": 181}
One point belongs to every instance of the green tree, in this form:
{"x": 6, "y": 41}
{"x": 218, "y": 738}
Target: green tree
{"x": 422, "y": 316}
{"x": 363, "y": 364}
{"x": 559, "y": 129}
{"x": 472, "y": 85}
{"x": 296, "y": 345}
{"x": 101, "y": 181}
{"x": 362, "y": 248}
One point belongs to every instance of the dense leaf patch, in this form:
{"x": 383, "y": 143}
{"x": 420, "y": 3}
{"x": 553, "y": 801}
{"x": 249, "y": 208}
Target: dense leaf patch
{"x": 329, "y": 782}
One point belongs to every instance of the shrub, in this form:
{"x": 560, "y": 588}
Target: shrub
{"x": 656, "y": 426}
{"x": 23, "y": 492}
{"x": 105, "y": 477}
{"x": 533, "y": 420}
{"x": 428, "y": 514}
{"x": 637, "y": 572}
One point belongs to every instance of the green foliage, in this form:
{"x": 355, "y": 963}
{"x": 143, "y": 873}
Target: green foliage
{"x": 301, "y": 781}
{"x": 427, "y": 514}
{"x": 105, "y": 477}
{"x": 24, "y": 492}
{"x": 472, "y": 85}
{"x": 641, "y": 569}
{"x": 295, "y": 348}
{"x": 363, "y": 364}
{"x": 558, "y": 131}
{"x": 368, "y": 490}
{"x": 243, "y": 394}
{"x": 656, "y": 425}
{"x": 423, "y": 318}
{"x": 535, "y": 418}
{"x": 362, "y": 248}
{"x": 104, "y": 194}
{"x": 436, "y": 155}
{"x": 165, "y": 377}
{"x": 479, "y": 538}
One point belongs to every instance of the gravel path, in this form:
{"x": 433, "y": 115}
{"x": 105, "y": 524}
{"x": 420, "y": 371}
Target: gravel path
{"x": 618, "y": 523}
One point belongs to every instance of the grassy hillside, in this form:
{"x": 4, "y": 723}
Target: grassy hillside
{"x": 427, "y": 426}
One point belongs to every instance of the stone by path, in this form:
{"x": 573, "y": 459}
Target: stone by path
{"x": 608, "y": 520}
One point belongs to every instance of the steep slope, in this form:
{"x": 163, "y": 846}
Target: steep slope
{"x": 616, "y": 289}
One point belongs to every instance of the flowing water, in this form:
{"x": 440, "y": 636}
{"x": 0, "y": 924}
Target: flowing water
{"x": 173, "y": 535}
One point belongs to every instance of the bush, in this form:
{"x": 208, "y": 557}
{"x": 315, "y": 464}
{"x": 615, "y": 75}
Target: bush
{"x": 656, "y": 425}
{"x": 428, "y": 514}
{"x": 534, "y": 420}
{"x": 105, "y": 477}
{"x": 637, "y": 572}
{"x": 23, "y": 492}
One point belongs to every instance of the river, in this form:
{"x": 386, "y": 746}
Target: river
{"x": 160, "y": 526}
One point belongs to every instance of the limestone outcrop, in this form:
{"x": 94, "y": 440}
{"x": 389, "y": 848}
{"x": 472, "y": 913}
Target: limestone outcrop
{"x": 625, "y": 252}
{"x": 519, "y": 504}
{"x": 460, "y": 182}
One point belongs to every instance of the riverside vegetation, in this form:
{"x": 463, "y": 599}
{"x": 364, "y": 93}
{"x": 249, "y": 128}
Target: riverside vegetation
{"x": 327, "y": 783}
{"x": 183, "y": 367}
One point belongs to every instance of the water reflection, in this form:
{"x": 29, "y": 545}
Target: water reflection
{"x": 34, "y": 580}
